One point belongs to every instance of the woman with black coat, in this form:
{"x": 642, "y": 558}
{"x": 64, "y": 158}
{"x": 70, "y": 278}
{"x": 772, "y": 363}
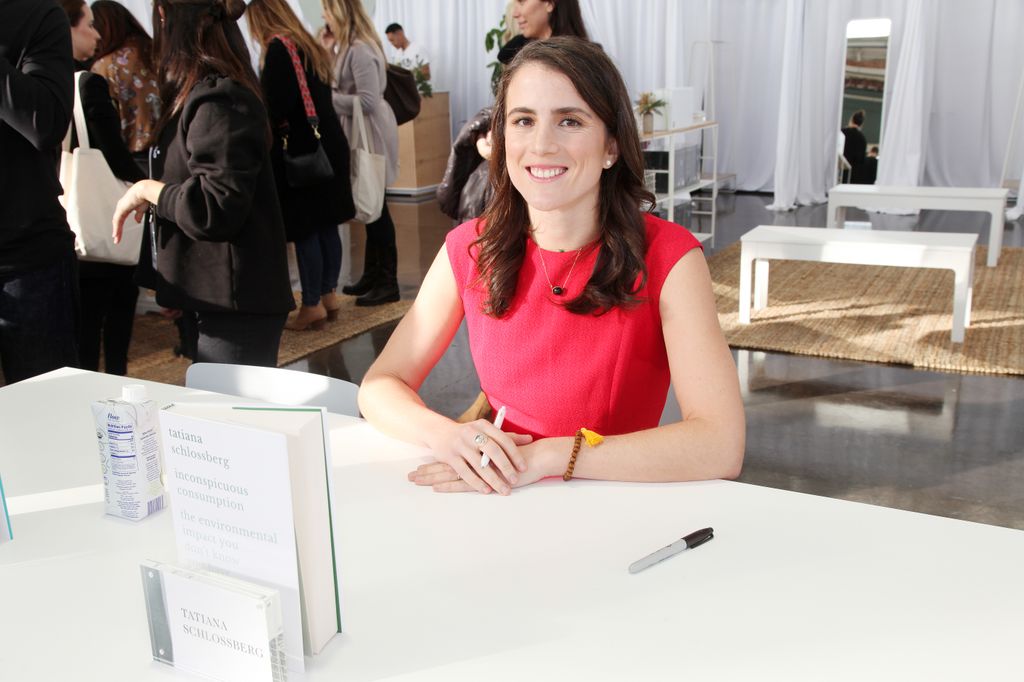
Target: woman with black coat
{"x": 312, "y": 212}
{"x": 220, "y": 248}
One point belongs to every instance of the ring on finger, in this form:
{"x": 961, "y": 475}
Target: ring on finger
{"x": 480, "y": 439}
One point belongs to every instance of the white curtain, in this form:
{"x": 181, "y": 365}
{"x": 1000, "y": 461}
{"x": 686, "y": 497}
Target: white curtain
{"x": 763, "y": 97}
{"x": 978, "y": 55}
{"x": 452, "y": 32}
{"x": 904, "y": 134}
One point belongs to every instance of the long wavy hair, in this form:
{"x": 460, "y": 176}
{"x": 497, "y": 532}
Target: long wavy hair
{"x": 268, "y": 18}
{"x": 567, "y": 20}
{"x": 119, "y": 27}
{"x": 195, "y": 39}
{"x": 620, "y": 272}
{"x": 349, "y": 22}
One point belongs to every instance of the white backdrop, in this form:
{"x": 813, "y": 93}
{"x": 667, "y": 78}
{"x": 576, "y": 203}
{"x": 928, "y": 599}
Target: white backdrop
{"x": 973, "y": 51}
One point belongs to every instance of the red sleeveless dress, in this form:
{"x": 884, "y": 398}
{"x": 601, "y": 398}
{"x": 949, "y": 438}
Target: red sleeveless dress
{"x": 556, "y": 371}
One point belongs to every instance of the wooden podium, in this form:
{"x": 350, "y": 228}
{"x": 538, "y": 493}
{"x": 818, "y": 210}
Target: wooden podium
{"x": 423, "y": 147}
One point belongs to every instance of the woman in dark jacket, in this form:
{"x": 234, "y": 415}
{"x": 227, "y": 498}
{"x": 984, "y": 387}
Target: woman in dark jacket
{"x": 312, "y": 212}
{"x": 107, "y": 291}
{"x": 220, "y": 245}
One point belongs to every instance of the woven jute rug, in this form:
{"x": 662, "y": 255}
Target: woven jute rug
{"x": 880, "y": 314}
{"x": 152, "y": 357}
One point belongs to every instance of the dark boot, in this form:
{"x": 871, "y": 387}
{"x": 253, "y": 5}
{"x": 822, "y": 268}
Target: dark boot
{"x": 386, "y": 288}
{"x": 371, "y": 273}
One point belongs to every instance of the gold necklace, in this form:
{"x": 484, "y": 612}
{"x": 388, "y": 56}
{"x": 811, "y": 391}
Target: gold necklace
{"x": 557, "y": 290}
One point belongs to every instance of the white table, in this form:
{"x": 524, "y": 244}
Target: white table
{"x": 943, "y": 250}
{"x": 534, "y": 586}
{"x": 991, "y": 200}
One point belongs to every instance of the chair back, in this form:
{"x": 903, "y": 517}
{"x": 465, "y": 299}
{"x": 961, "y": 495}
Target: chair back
{"x": 275, "y": 385}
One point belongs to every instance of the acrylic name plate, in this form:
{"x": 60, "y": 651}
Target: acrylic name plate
{"x": 212, "y": 625}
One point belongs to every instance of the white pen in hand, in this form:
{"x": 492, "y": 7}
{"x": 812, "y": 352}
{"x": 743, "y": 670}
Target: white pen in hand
{"x": 498, "y": 421}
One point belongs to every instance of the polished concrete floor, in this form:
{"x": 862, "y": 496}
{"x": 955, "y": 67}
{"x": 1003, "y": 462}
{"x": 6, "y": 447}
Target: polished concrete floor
{"x": 945, "y": 444}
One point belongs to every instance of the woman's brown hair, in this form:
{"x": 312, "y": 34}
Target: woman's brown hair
{"x": 620, "y": 271}
{"x": 75, "y": 9}
{"x": 194, "y": 39}
{"x": 118, "y": 27}
{"x": 268, "y": 18}
{"x": 567, "y": 20}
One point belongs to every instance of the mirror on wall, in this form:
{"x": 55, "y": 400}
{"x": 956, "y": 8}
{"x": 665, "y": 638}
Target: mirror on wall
{"x": 867, "y": 45}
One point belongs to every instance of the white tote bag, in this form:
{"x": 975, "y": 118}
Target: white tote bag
{"x": 91, "y": 193}
{"x": 367, "y": 170}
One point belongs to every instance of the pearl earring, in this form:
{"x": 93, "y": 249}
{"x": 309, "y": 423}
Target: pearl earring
{"x": 608, "y": 163}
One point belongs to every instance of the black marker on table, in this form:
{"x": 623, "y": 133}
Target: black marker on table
{"x": 694, "y": 539}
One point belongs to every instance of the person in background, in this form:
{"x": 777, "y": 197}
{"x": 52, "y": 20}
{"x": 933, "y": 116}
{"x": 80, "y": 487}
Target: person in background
{"x": 541, "y": 19}
{"x": 856, "y": 146}
{"x": 108, "y": 291}
{"x": 360, "y": 72}
{"x": 220, "y": 244}
{"x": 311, "y": 214}
{"x": 600, "y": 304}
{"x": 869, "y": 171}
{"x": 38, "y": 282}
{"x": 408, "y": 55}
{"x": 125, "y": 59}
{"x": 465, "y": 189}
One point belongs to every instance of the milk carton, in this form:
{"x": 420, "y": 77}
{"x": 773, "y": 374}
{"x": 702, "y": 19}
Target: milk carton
{"x": 127, "y": 432}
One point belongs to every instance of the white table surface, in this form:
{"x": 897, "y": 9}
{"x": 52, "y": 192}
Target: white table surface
{"x": 534, "y": 586}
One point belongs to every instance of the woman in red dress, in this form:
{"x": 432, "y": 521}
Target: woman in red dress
{"x": 580, "y": 306}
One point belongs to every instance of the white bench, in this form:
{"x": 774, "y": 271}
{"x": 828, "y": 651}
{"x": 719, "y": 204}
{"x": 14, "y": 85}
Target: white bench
{"x": 990, "y": 200}
{"x": 945, "y": 250}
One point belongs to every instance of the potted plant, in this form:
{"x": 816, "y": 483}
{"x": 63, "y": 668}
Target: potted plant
{"x": 646, "y": 105}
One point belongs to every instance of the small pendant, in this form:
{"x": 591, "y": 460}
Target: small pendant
{"x": 557, "y": 291}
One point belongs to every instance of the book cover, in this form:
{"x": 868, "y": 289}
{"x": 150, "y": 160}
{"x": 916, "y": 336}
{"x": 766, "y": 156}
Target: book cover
{"x": 213, "y": 625}
{"x": 6, "y": 533}
{"x": 250, "y": 492}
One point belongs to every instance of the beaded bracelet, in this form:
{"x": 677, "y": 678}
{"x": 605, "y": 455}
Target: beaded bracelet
{"x": 593, "y": 440}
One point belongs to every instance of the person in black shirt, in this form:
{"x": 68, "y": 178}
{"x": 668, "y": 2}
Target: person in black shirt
{"x": 37, "y": 260}
{"x": 855, "y": 149}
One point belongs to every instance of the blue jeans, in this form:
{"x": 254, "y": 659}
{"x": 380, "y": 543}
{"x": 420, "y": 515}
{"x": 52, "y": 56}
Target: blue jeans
{"x": 38, "y": 319}
{"x": 319, "y": 261}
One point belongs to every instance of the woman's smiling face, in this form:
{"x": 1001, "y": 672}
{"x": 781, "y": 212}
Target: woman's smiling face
{"x": 533, "y": 17}
{"x": 556, "y": 147}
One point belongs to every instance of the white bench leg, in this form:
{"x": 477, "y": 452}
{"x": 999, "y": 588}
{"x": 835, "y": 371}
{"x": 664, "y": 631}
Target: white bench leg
{"x": 995, "y": 236}
{"x": 961, "y": 301}
{"x": 970, "y": 292}
{"x": 836, "y": 217}
{"x": 746, "y": 263}
{"x": 760, "y": 283}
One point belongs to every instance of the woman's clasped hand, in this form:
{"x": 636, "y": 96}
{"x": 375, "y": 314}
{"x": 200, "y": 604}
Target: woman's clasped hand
{"x": 460, "y": 465}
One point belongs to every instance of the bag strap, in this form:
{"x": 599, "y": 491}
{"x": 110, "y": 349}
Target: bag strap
{"x": 80, "y": 126}
{"x": 300, "y": 76}
{"x": 360, "y": 139}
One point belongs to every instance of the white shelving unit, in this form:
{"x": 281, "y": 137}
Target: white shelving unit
{"x": 707, "y": 163}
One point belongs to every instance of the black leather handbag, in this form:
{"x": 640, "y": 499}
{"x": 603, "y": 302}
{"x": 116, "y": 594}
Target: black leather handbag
{"x": 313, "y": 168}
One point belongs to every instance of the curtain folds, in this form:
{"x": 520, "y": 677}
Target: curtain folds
{"x": 953, "y": 74}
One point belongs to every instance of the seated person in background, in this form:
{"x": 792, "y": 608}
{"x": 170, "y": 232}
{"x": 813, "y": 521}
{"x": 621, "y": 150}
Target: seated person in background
{"x": 580, "y": 306}
{"x": 869, "y": 169}
{"x": 408, "y": 55}
{"x": 856, "y": 146}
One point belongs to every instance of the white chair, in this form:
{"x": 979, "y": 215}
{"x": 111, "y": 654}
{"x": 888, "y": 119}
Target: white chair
{"x": 274, "y": 385}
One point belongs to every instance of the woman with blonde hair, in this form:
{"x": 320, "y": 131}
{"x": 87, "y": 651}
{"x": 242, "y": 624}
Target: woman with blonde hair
{"x": 312, "y": 211}
{"x": 361, "y": 73}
